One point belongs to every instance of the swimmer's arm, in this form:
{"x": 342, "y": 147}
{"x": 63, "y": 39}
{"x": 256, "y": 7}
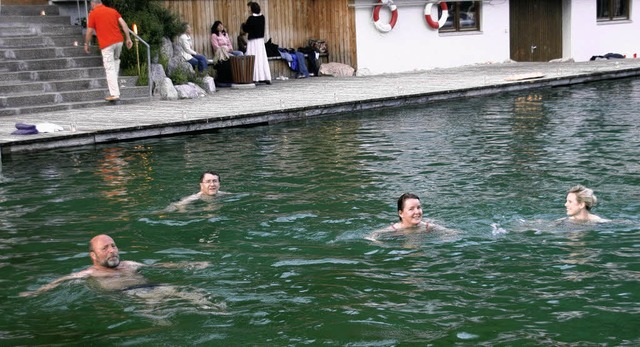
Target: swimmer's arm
{"x": 374, "y": 235}
{"x": 180, "y": 205}
{"x": 57, "y": 282}
{"x": 439, "y": 228}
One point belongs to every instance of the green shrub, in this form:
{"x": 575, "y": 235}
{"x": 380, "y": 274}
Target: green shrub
{"x": 143, "y": 77}
{"x": 180, "y": 76}
{"x": 153, "y": 21}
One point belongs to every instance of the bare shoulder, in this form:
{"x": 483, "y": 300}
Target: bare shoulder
{"x": 133, "y": 265}
{"x": 598, "y": 219}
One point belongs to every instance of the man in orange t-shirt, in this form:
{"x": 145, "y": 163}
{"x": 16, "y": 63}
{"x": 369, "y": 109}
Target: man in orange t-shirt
{"x": 104, "y": 21}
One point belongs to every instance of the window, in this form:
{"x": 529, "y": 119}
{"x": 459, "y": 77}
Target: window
{"x": 463, "y": 16}
{"x": 612, "y": 10}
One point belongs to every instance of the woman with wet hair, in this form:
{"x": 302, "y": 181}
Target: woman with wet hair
{"x": 580, "y": 201}
{"x": 410, "y": 216}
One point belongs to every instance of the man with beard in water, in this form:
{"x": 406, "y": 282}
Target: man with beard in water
{"x": 115, "y": 275}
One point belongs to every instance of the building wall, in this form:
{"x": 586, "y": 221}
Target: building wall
{"x": 413, "y": 45}
{"x": 590, "y": 37}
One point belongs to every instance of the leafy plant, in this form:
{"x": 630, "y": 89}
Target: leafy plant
{"x": 179, "y": 76}
{"x": 153, "y": 21}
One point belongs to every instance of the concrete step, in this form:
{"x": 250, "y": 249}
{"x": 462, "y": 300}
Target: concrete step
{"x": 42, "y": 99}
{"x": 28, "y": 10}
{"x": 43, "y": 52}
{"x": 43, "y": 67}
{"x": 31, "y": 88}
{"x": 10, "y": 21}
{"x": 69, "y": 106}
{"x": 41, "y": 41}
{"x": 51, "y": 75}
{"x": 50, "y": 64}
{"x": 35, "y": 30}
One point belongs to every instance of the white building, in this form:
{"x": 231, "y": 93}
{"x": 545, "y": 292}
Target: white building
{"x": 491, "y": 31}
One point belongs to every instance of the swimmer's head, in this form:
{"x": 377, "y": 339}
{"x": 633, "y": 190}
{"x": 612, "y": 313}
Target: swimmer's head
{"x": 104, "y": 252}
{"x": 209, "y": 183}
{"x": 584, "y": 195}
{"x": 403, "y": 198}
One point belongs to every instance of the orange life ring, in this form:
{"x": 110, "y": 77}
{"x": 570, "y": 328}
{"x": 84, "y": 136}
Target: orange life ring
{"x": 384, "y": 27}
{"x": 443, "y": 18}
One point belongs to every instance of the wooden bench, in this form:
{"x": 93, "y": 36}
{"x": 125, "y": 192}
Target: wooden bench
{"x": 280, "y": 67}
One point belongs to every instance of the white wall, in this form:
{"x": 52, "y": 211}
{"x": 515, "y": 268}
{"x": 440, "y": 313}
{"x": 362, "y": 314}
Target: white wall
{"x": 589, "y": 38}
{"x": 413, "y": 45}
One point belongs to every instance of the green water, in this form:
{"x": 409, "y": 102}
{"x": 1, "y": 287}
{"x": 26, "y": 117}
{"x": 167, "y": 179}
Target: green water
{"x": 287, "y": 249}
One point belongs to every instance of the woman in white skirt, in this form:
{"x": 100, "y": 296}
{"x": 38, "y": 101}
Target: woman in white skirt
{"x": 254, "y": 27}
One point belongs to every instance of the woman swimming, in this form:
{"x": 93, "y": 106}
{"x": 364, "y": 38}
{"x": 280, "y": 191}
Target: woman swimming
{"x": 579, "y": 202}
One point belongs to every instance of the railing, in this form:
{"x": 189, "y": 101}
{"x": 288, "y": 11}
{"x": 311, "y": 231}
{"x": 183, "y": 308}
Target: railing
{"x": 149, "y": 82}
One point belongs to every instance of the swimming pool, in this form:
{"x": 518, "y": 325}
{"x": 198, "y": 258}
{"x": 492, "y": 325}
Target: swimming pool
{"x": 287, "y": 249}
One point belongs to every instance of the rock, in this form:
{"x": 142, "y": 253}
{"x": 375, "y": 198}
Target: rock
{"x": 186, "y": 91}
{"x": 199, "y": 91}
{"x": 166, "y": 49}
{"x": 209, "y": 84}
{"x": 177, "y": 63}
{"x": 157, "y": 74}
{"x": 166, "y": 90}
{"x": 336, "y": 70}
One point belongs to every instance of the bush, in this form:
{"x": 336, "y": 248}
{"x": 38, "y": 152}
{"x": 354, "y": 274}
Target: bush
{"x": 153, "y": 21}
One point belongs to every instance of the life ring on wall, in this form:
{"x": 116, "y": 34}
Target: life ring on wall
{"x": 385, "y": 27}
{"x": 443, "y": 18}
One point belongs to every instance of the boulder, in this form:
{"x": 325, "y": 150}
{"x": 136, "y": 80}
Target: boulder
{"x": 166, "y": 90}
{"x": 157, "y": 74}
{"x": 166, "y": 49}
{"x": 199, "y": 91}
{"x": 209, "y": 84}
{"x": 187, "y": 91}
{"x": 336, "y": 70}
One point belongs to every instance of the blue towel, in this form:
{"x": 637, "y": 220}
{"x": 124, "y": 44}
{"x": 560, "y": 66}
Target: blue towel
{"x": 25, "y": 129}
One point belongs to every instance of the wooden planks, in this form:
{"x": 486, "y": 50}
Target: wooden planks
{"x": 290, "y": 24}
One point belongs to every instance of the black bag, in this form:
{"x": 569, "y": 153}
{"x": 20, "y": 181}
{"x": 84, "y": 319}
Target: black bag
{"x": 272, "y": 49}
{"x": 319, "y": 46}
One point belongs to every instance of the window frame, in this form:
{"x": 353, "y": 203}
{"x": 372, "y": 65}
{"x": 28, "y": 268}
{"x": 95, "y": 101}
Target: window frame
{"x": 455, "y": 10}
{"x": 610, "y": 17}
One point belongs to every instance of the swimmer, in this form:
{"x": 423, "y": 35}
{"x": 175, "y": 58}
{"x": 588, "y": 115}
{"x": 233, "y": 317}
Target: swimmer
{"x": 410, "y": 214}
{"x": 579, "y": 202}
{"x": 209, "y": 188}
{"x": 115, "y": 275}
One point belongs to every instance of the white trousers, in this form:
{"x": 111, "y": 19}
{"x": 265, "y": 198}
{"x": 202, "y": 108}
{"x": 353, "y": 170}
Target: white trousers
{"x": 111, "y": 62}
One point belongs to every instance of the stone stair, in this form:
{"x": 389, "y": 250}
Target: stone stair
{"x": 43, "y": 66}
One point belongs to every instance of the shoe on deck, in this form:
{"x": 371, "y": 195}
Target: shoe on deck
{"x": 112, "y": 98}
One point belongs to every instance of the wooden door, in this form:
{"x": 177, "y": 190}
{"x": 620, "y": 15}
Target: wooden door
{"x": 535, "y": 29}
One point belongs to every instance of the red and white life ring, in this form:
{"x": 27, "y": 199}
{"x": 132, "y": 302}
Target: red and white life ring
{"x": 443, "y": 18}
{"x": 385, "y": 27}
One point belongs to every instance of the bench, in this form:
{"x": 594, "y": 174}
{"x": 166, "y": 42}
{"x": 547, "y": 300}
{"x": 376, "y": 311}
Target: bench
{"x": 280, "y": 67}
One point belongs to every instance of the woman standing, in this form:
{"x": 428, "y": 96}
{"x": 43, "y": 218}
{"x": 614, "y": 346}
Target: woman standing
{"x": 220, "y": 39}
{"x": 254, "y": 27}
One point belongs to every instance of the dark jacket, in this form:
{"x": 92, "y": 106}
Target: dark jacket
{"x": 254, "y": 26}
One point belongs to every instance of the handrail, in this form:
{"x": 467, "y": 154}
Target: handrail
{"x": 138, "y": 38}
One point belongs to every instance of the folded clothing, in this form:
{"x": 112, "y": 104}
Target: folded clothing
{"x": 25, "y": 129}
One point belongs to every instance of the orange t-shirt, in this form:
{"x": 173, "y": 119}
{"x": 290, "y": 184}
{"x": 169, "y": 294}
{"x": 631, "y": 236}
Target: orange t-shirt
{"x": 104, "y": 20}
